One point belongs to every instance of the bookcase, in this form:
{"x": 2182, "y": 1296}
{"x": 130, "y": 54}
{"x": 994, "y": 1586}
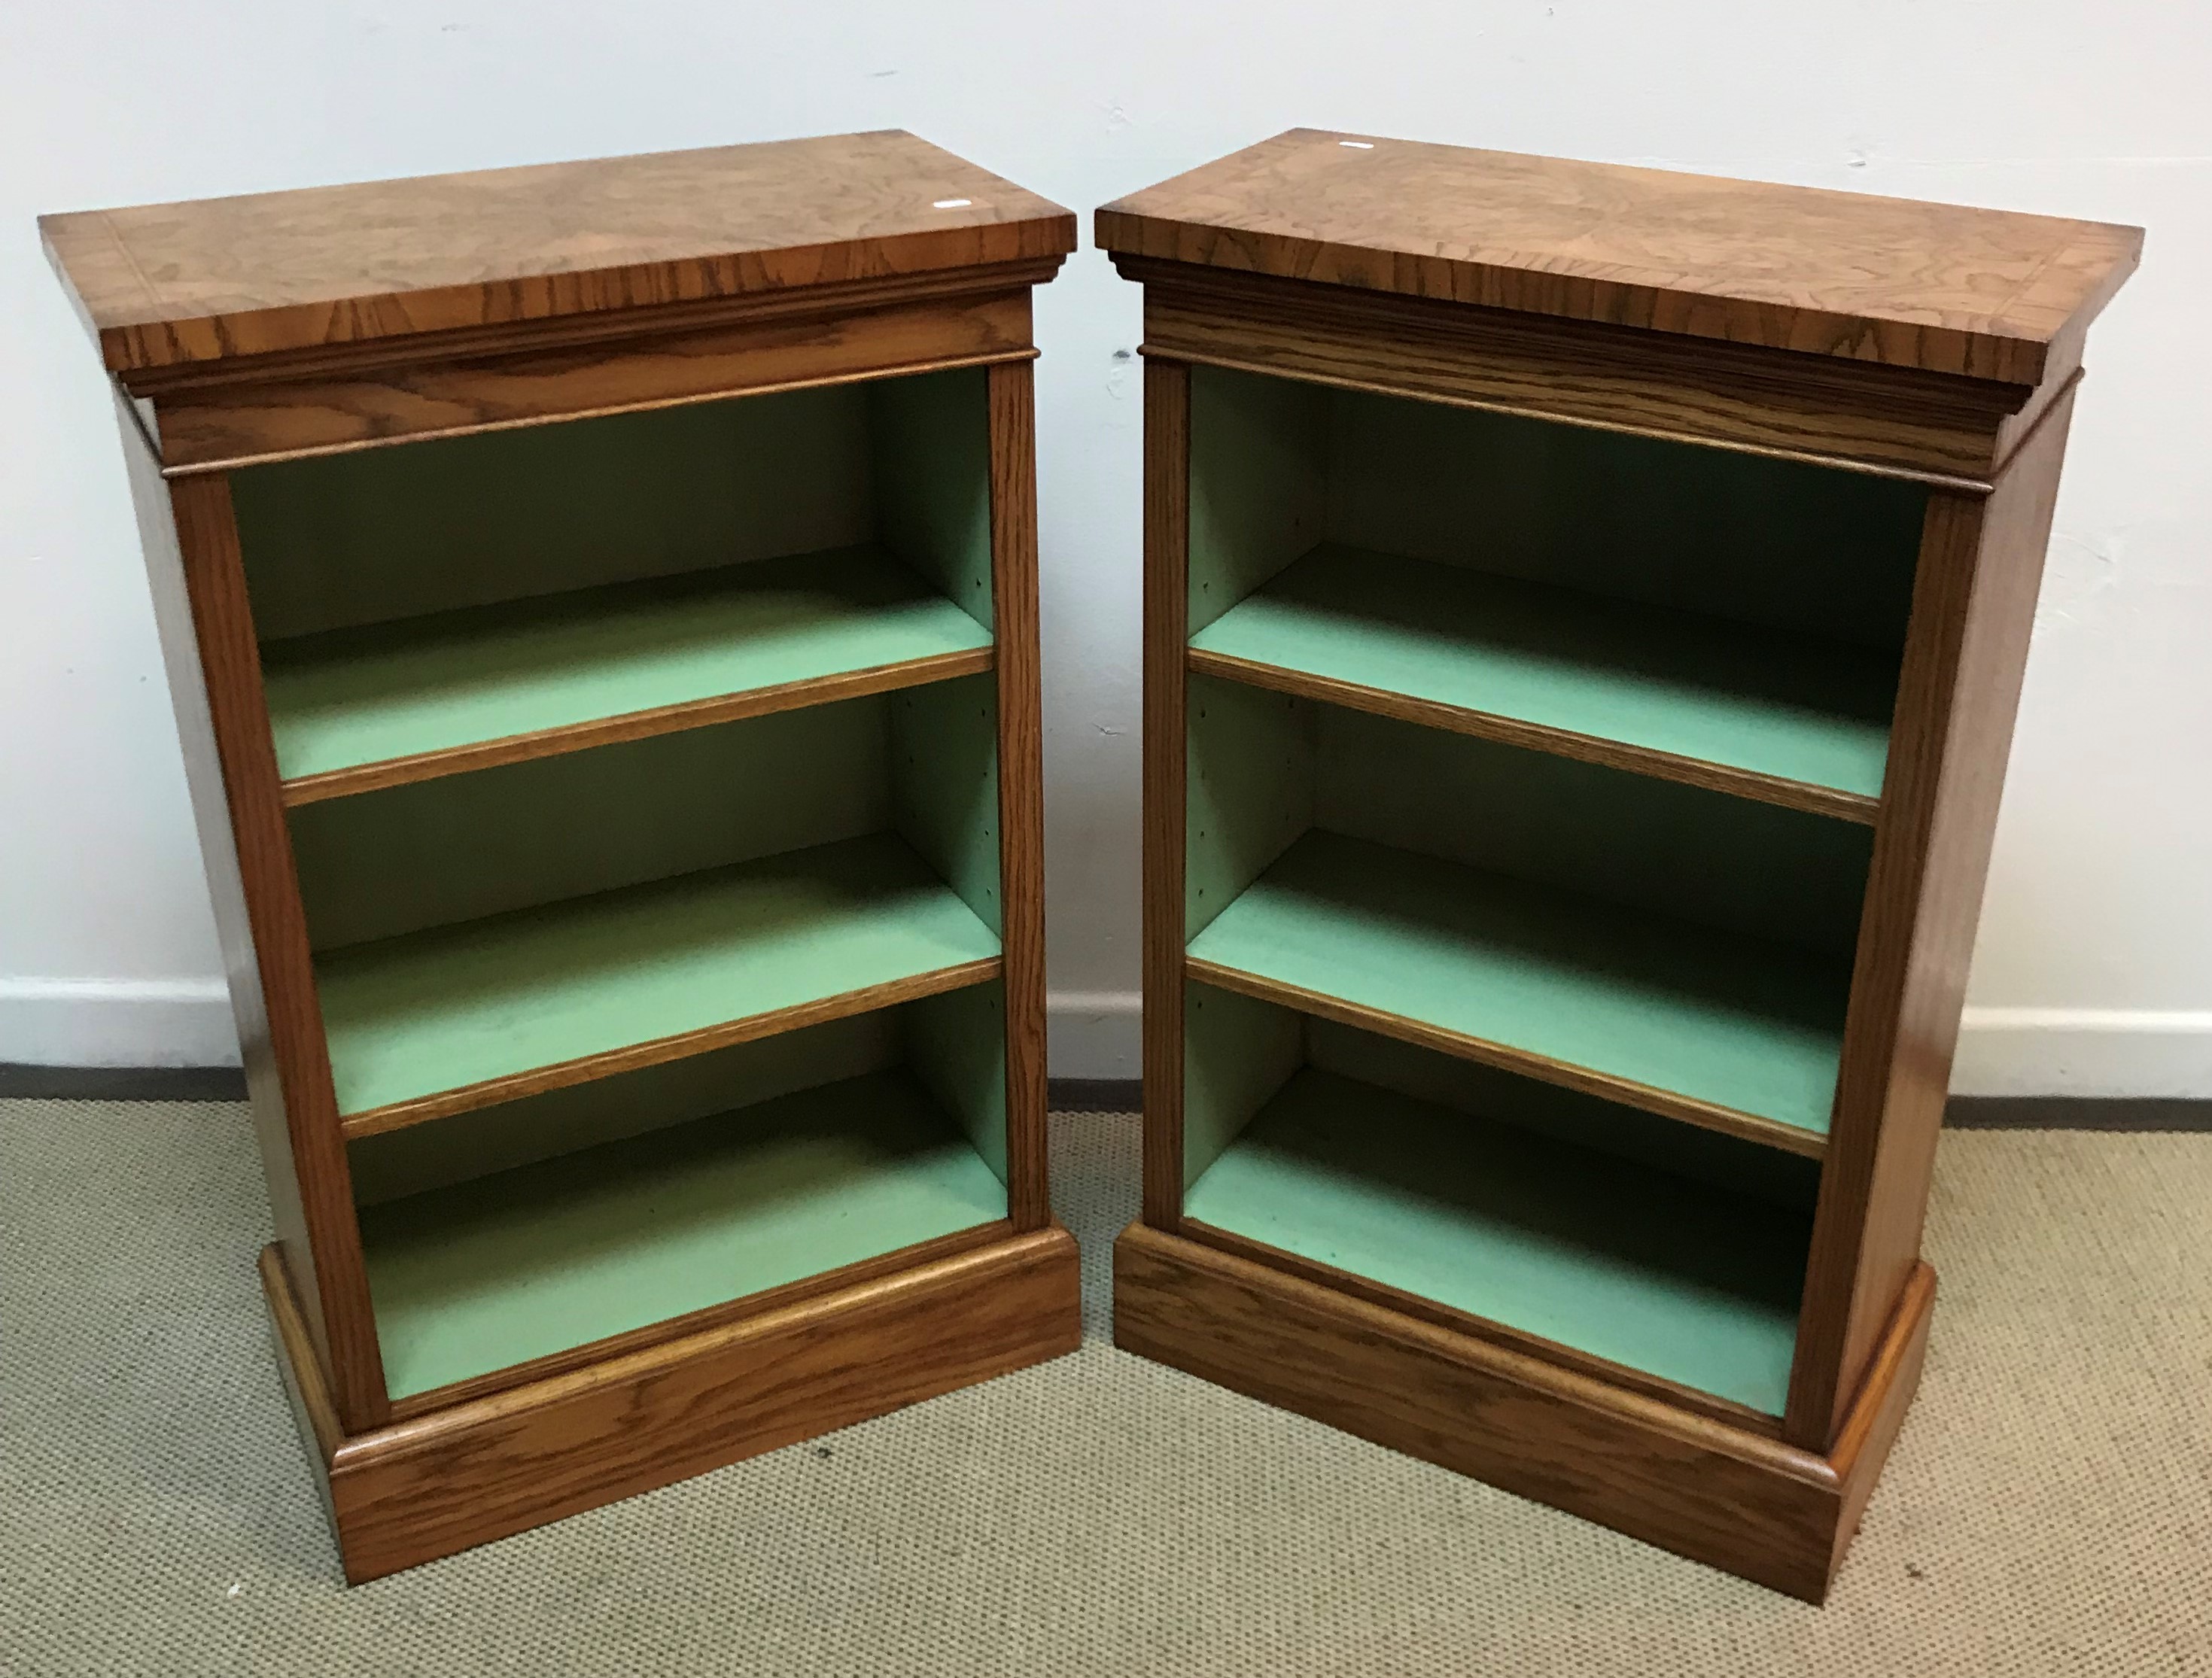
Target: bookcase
{"x": 599, "y": 601}
{"x": 1585, "y": 610}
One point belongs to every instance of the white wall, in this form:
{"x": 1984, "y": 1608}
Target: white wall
{"x": 2094, "y": 971}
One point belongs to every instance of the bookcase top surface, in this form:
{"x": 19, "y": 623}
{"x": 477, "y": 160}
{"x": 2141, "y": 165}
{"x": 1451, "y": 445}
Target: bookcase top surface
{"x": 162, "y": 285}
{"x": 1981, "y": 293}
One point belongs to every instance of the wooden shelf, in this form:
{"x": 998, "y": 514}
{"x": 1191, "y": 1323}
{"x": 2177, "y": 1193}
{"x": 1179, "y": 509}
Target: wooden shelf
{"x": 457, "y": 1017}
{"x": 1726, "y": 1031}
{"x": 525, "y": 1264}
{"x": 358, "y": 709}
{"x": 1692, "y": 1284}
{"x": 1733, "y": 707}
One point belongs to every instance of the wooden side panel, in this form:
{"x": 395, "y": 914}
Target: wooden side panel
{"x": 1871, "y": 1426}
{"x": 1021, "y": 783}
{"x": 1167, "y": 618}
{"x": 1766, "y": 402}
{"x": 465, "y": 1476}
{"x": 226, "y": 424}
{"x": 1973, "y": 608}
{"x": 214, "y": 680}
{"x": 1685, "y": 1482}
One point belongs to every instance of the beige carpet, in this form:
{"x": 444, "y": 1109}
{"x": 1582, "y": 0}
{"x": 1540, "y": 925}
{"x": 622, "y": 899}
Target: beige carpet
{"x": 2049, "y": 1510}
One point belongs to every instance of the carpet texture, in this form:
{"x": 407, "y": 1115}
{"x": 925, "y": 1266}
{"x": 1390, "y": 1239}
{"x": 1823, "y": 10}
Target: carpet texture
{"x": 2048, "y": 1509}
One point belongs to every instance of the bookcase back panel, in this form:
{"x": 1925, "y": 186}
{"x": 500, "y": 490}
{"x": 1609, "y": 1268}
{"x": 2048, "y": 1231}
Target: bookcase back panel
{"x": 420, "y": 528}
{"x": 1277, "y": 466}
{"x": 1682, "y": 850}
{"x": 1675, "y": 1251}
{"x": 948, "y": 1042}
{"x": 431, "y": 853}
{"x": 417, "y": 528}
{"x": 1567, "y": 1115}
{"x": 490, "y": 1140}
{"x": 1239, "y": 1051}
{"x": 562, "y": 1219}
{"x": 1265, "y": 769}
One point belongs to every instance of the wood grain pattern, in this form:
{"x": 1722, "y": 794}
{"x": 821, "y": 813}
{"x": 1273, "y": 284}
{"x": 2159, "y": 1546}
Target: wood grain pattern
{"x": 1927, "y": 343}
{"x": 1414, "y": 1306}
{"x": 215, "y": 673}
{"x": 1872, "y": 1424}
{"x": 1668, "y": 1104}
{"x": 1973, "y": 608}
{"x": 676, "y": 1328}
{"x": 1012, "y": 401}
{"x": 1684, "y": 1482}
{"x": 1167, "y": 636}
{"x": 1536, "y": 738}
{"x": 1893, "y": 281}
{"x": 340, "y": 358}
{"x": 633, "y": 725}
{"x": 442, "y": 1482}
{"x": 1896, "y": 423}
{"x": 234, "y": 422}
{"x": 444, "y": 1103}
{"x": 190, "y": 699}
{"x": 163, "y": 284}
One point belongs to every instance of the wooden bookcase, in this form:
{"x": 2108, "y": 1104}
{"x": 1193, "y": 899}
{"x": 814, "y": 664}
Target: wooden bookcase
{"x": 1585, "y": 608}
{"x": 600, "y": 605}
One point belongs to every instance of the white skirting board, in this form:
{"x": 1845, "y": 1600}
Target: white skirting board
{"x": 116, "y": 1022}
{"x": 2004, "y": 1052}
{"x": 1094, "y": 1034}
{"x": 2091, "y": 1052}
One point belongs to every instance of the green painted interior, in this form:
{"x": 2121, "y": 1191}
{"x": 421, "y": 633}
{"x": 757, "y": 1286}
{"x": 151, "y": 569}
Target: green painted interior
{"x": 348, "y": 696}
{"x": 931, "y": 441}
{"x": 956, "y": 1044}
{"x": 486, "y": 924}
{"x": 461, "y": 847}
{"x": 944, "y": 759}
{"x": 1567, "y": 1115}
{"x": 1264, "y": 768}
{"x": 423, "y": 527}
{"x": 1823, "y": 553}
{"x": 491, "y": 1272}
{"x": 1779, "y": 704}
{"x": 1237, "y": 1052}
{"x": 1757, "y": 868}
{"x": 478, "y": 1143}
{"x": 455, "y": 1005}
{"x": 1278, "y": 467}
{"x": 1259, "y": 482}
{"x": 1717, "y": 606}
{"x": 1749, "y": 1025}
{"x": 1674, "y": 1277}
{"x": 1249, "y": 790}
{"x": 431, "y": 527}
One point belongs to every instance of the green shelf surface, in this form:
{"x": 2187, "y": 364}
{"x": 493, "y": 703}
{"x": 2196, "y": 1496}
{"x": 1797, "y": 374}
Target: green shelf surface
{"x": 1752, "y": 1026}
{"x": 345, "y": 697}
{"x": 495, "y": 1271}
{"x": 1764, "y": 700}
{"x": 1689, "y": 1283}
{"x": 438, "y": 1010}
